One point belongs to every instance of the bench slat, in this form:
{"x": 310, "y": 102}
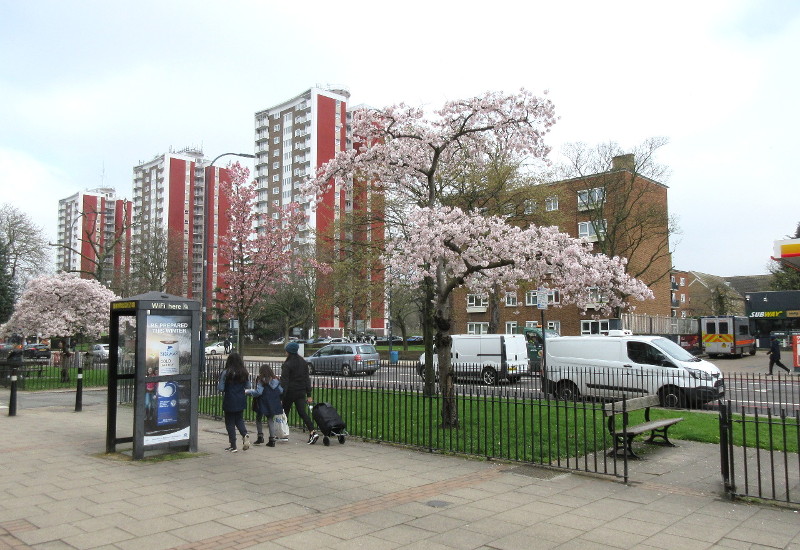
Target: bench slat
{"x": 648, "y": 426}
{"x": 633, "y": 404}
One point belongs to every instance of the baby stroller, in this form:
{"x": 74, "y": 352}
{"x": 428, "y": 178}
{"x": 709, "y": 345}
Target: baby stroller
{"x": 329, "y": 422}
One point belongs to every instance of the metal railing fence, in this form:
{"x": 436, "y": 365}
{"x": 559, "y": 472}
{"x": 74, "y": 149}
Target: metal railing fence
{"x": 759, "y": 453}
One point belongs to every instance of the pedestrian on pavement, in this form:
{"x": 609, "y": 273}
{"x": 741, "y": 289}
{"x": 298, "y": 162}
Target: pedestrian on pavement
{"x": 296, "y": 383}
{"x": 266, "y": 402}
{"x": 775, "y": 355}
{"x": 233, "y": 382}
{"x": 227, "y": 345}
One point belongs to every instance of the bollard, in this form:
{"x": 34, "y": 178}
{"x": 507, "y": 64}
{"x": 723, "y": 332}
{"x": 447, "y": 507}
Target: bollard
{"x": 12, "y": 405}
{"x": 79, "y": 391}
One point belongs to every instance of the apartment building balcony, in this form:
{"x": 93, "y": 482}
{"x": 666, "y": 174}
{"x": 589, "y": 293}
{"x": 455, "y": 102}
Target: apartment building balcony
{"x": 675, "y": 303}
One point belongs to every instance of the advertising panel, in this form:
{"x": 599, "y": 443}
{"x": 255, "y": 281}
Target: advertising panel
{"x": 168, "y": 352}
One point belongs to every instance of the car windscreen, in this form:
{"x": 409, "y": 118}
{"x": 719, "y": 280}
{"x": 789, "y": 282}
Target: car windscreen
{"x": 674, "y": 350}
{"x": 367, "y": 349}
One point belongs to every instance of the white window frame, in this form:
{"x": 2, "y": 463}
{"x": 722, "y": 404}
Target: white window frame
{"x": 555, "y": 326}
{"x": 589, "y": 199}
{"x": 588, "y": 231}
{"x": 531, "y": 324}
{"x": 511, "y": 327}
{"x": 478, "y": 328}
{"x": 551, "y": 204}
{"x": 594, "y": 326}
{"x": 553, "y": 297}
{"x": 477, "y": 300}
{"x": 511, "y": 299}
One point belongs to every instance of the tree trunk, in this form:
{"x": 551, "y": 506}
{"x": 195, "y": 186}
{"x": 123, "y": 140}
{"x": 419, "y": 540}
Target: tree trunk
{"x": 427, "y": 338}
{"x": 444, "y": 345}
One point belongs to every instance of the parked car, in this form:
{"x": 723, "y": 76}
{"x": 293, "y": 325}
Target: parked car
{"x": 277, "y": 342}
{"x": 215, "y": 348}
{"x": 345, "y": 358}
{"x": 322, "y": 340}
{"x": 414, "y": 339}
{"x": 36, "y": 351}
{"x": 99, "y": 351}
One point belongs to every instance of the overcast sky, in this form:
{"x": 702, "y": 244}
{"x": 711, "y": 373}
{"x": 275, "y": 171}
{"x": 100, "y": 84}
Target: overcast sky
{"x": 88, "y": 89}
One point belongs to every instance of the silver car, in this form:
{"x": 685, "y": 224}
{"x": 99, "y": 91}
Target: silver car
{"x": 346, "y": 359}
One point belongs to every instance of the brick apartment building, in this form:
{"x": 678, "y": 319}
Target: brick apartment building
{"x": 623, "y": 213}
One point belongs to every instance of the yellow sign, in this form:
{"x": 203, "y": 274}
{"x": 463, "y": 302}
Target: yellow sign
{"x": 123, "y": 305}
{"x": 793, "y": 313}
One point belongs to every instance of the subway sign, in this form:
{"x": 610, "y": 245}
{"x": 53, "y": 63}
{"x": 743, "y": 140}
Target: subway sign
{"x": 775, "y": 314}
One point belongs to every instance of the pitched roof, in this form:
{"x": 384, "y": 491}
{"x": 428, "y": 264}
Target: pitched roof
{"x": 750, "y": 283}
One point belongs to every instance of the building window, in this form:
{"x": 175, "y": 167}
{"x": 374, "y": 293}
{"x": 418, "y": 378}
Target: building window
{"x": 275, "y": 177}
{"x": 531, "y": 324}
{"x": 596, "y": 298}
{"x": 530, "y": 206}
{"x": 553, "y": 297}
{"x": 276, "y": 139}
{"x": 276, "y": 128}
{"x": 477, "y": 328}
{"x": 683, "y": 281}
{"x": 511, "y": 327}
{"x": 555, "y": 326}
{"x": 588, "y": 231}
{"x": 276, "y": 190}
{"x": 477, "y": 300}
{"x": 594, "y": 327}
{"x": 591, "y": 198}
{"x": 551, "y": 204}
{"x": 511, "y": 299}
{"x": 275, "y": 152}
{"x": 683, "y": 298}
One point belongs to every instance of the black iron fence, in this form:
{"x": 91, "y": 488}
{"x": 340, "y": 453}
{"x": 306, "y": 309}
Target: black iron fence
{"x": 759, "y": 453}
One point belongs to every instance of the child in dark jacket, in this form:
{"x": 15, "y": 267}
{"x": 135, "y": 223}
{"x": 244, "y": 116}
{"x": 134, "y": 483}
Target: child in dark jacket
{"x": 233, "y": 383}
{"x": 266, "y": 403}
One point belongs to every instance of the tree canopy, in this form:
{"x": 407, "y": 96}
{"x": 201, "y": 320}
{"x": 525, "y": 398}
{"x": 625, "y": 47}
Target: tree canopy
{"x": 61, "y": 305}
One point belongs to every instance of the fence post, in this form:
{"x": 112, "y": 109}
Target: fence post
{"x": 12, "y": 404}
{"x": 724, "y": 457}
{"x": 79, "y": 390}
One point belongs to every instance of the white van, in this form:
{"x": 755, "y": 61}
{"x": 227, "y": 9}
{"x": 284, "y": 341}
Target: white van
{"x": 625, "y": 365}
{"x": 487, "y": 357}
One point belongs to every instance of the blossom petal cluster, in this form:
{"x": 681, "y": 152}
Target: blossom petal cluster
{"x": 402, "y": 149}
{"x": 62, "y": 305}
{"x": 456, "y": 248}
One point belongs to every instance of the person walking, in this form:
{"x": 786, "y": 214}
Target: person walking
{"x": 296, "y": 383}
{"x": 775, "y": 355}
{"x": 266, "y": 403}
{"x": 233, "y": 383}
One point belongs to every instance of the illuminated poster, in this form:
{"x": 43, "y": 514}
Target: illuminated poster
{"x": 168, "y": 353}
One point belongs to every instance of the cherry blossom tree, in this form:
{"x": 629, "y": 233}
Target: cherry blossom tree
{"x": 412, "y": 159}
{"x": 257, "y": 251}
{"x": 61, "y": 305}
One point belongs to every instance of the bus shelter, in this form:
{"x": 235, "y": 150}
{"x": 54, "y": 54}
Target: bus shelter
{"x": 153, "y": 367}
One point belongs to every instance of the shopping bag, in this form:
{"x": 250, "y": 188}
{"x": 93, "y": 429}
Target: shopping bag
{"x": 280, "y": 426}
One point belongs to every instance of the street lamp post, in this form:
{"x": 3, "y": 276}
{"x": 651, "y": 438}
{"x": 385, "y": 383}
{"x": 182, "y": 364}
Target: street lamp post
{"x": 204, "y": 278}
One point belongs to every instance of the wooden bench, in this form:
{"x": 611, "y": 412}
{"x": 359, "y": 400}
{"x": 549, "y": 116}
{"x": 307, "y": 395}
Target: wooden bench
{"x": 623, "y": 436}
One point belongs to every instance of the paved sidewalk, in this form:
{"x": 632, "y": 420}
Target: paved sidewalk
{"x": 60, "y": 491}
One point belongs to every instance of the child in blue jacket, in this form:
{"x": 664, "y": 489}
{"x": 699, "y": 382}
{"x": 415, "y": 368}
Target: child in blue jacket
{"x": 266, "y": 402}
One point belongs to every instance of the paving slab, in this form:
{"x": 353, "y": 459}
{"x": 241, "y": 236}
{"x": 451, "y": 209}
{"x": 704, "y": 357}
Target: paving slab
{"x": 70, "y": 494}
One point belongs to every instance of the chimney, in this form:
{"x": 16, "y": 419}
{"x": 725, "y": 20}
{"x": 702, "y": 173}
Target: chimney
{"x": 623, "y": 162}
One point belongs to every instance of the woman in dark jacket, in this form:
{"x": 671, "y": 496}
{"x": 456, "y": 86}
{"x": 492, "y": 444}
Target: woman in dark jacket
{"x": 233, "y": 383}
{"x": 296, "y": 384}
